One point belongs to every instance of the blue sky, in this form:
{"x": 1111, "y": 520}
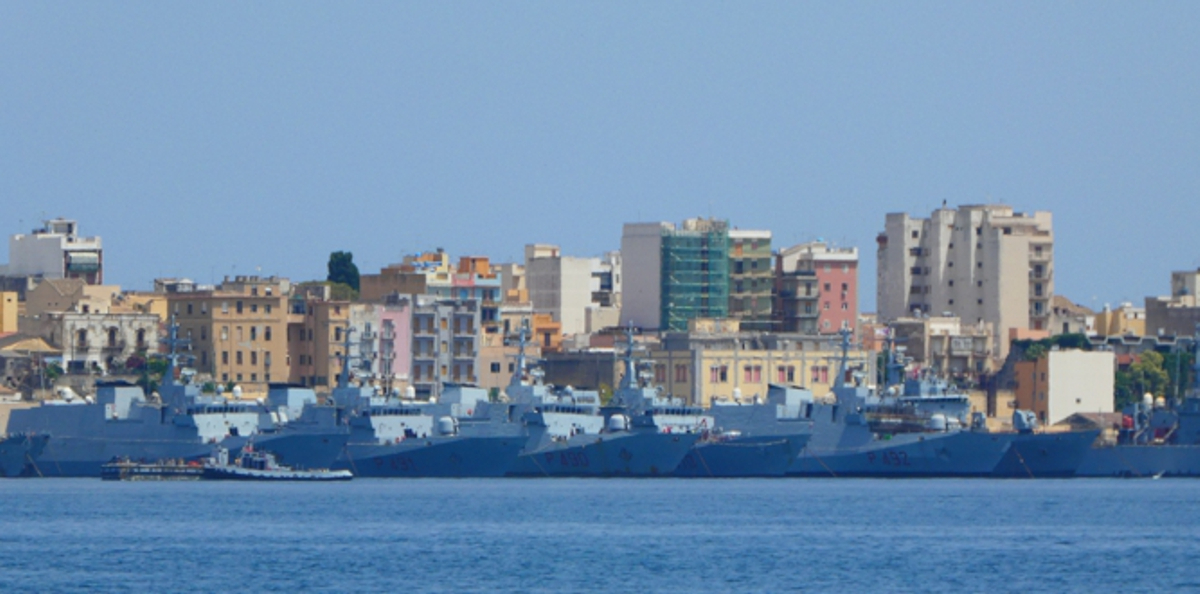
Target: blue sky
{"x": 220, "y": 138}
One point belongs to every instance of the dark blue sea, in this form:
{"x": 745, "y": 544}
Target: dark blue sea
{"x": 78, "y": 535}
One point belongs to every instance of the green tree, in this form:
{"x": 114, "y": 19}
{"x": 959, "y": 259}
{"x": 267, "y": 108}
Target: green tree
{"x": 1147, "y": 375}
{"x": 342, "y": 269}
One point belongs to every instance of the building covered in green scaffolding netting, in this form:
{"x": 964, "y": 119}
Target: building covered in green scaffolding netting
{"x": 695, "y": 272}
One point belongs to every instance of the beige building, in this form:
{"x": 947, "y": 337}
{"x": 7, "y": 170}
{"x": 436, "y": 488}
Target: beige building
{"x": 715, "y": 362}
{"x": 1178, "y": 314}
{"x": 945, "y": 344}
{"x": 69, "y": 294}
{"x": 238, "y": 330}
{"x": 1125, "y": 320}
{"x": 1063, "y": 383}
{"x": 751, "y": 278}
{"x": 316, "y": 337}
{"x": 9, "y": 311}
{"x": 980, "y": 263}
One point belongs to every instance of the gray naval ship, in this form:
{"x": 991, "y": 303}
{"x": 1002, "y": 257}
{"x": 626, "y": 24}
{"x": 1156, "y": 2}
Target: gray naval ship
{"x": 122, "y": 423}
{"x": 1154, "y": 439}
{"x": 923, "y": 432}
{"x": 394, "y": 437}
{"x": 752, "y": 439}
{"x": 19, "y": 453}
{"x": 572, "y": 434}
{"x": 452, "y": 436}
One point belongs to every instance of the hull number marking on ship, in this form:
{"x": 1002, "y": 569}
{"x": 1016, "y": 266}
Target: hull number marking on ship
{"x": 889, "y": 458}
{"x": 573, "y": 459}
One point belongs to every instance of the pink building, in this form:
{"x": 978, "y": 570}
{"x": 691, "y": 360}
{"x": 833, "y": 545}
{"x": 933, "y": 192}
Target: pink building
{"x": 836, "y": 272}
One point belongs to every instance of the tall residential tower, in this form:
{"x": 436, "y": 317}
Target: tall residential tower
{"x": 984, "y": 264}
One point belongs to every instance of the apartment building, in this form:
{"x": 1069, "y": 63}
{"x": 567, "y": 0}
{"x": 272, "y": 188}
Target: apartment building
{"x": 316, "y": 337}
{"x": 816, "y": 288}
{"x": 56, "y": 251}
{"x": 672, "y": 275}
{"x": 237, "y": 330}
{"x": 751, "y": 278}
{"x": 980, "y": 263}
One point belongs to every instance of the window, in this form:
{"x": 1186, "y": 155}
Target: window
{"x": 267, "y": 308}
{"x": 203, "y": 334}
{"x": 267, "y": 333}
{"x": 253, "y": 377}
{"x": 681, "y": 373}
{"x": 979, "y": 230}
{"x": 951, "y": 302}
{"x": 916, "y": 234}
{"x": 254, "y": 333}
{"x": 224, "y": 357}
{"x": 495, "y": 368}
{"x": 203, "y": 307}
{"x": 239, "y": 307}
{"x": 254, "y": 357}
{"x": 660, "y": 373}
{"x": 951, "y": 283}
{"x": 239, "y": 357}
{"x": 337, "y": 334}
{"x": 225, "y": 307}
{"x": 978, "y": 283}
{"x": 979, "y": 301}
{"x": 239, "y": 377}
{"x": 189, "y": 309}
{"x": 224, "y": 332}
{"x": 828, "y": 287}
{"x": 845, "y": 306}
{"x": 826, "y": 305}
{"x": 253, "y": 308}
{"x": 979, "y": 264}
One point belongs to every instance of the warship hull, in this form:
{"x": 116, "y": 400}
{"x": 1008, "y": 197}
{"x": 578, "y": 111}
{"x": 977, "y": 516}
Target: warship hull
{"x": 957, "y": 454}
{"x": 449, "y": 457}
{"x": 632, "y": 455}
{"x": 1141, "y": 461}
{"x": 19, "y": 454}
{"x": 769, "y": 456}
{"x": 1045, "y": 455}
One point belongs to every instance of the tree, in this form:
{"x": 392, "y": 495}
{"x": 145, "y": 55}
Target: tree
{"x": 1145, "y": 375}
{"x": 342, "y": 269}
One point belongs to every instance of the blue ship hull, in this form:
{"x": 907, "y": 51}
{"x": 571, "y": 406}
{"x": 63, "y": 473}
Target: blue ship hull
{"x": 1045, "y": 455}
{"x": 19, "y": 453}
{"x": 451, "y": 457}
{"x": 958, "y": 454}
{"x": 634, "y": 454}
{"x": 1141, "y": 461}
{"x": 753, "y": 457}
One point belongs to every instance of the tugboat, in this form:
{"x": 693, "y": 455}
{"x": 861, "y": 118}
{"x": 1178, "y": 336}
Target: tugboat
{"x": 260, "y": 465}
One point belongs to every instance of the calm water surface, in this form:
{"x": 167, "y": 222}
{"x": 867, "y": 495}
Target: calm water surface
{"x": 601, "y": 535}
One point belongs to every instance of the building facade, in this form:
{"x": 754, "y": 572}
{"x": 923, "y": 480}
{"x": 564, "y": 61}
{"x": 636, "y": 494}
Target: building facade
{"x": 672, "y": 275}
{"x": 817, "y": 288}
{"x": 561, "y": 286}
{"x": 980, "y": 263}
{"x": 751, "y": 278}
{"x": 237, "y": 330}
{"x": 56, "y": 251}
{"x": 1062, "y": 383}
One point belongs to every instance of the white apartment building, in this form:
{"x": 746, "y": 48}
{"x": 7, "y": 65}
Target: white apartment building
{"x": 567, "y": 287}
{"x": 56, "y": 251}
{"x": 980, "y": 263}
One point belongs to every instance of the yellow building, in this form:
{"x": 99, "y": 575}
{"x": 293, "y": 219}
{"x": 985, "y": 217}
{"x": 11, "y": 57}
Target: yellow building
{"x": 315, "y": 340}
{"x": 1125, "y": 320}
{"x": 238, "y": 331}
{"x": 8, "y": 311}
{"x": 714, "y": 362}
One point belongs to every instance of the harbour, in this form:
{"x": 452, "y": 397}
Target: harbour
{"x": 668, "y": 535}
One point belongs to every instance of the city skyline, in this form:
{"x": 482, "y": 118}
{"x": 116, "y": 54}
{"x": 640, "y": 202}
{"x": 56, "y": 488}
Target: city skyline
{"x": 254, "y": 139}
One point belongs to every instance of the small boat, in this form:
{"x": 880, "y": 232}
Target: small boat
{"x": 260, "y": 465}
{"x": 124, "y": 469}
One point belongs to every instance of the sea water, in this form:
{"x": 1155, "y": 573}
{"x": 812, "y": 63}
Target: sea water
{"x": 783, "y": 535}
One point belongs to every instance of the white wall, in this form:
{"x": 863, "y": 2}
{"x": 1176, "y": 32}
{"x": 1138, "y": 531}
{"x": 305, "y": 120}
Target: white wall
{"x": 641, "y": 271}
{"x": 1080, "y": 381}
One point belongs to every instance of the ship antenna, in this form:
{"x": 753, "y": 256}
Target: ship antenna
{"x": 519, "y": 372}
{"x": 1196, "y": 363}
{"x": 843, "y": 363}
{"x": 172, "y": 341}
{"x": 344, "y": 376}
{"x": 628, "y": 379}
